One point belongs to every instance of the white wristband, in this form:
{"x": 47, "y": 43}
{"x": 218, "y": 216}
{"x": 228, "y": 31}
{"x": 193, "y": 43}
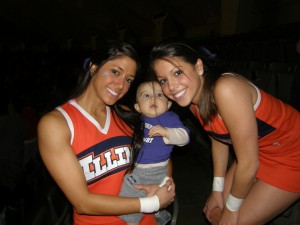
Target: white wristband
{"x": 164, "y": 181}
{"x": 149, "y": 204}
{"x": 233, "y": 203}
{"x": 218, "y": 184}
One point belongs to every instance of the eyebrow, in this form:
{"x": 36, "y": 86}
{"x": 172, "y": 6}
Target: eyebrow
{"x": 172, "y": 70}
{"x": 177, "y": 67}
{"x": 120, "y": 68}
{"x": 143, "y": 92}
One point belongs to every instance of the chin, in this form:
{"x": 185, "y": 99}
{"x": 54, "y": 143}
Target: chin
{"x": 110, "y": 102}
{"x": 183, "y": 103}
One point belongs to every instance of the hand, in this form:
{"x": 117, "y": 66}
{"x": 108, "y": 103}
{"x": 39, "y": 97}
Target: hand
{"x": 159, "y": 131}
{"x": 228, "y": 217}
{"x": 166, "y": 193}
{"x": 214, "y": 216}
{"x": 149, "y": 189}
{"x": 213, "y": 207}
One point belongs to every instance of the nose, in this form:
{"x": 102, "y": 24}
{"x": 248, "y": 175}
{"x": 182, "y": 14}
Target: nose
{"x": 172, "y": 84}
{"x": 119, "y": 82}
{"x": 153, "y": 98}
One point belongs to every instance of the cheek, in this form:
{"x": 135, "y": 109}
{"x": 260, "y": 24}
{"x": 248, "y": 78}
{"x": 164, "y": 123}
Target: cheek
{"x": 126, "y": 87}
{"x": 186, "y": 80}
{"x": 165, "y": 89}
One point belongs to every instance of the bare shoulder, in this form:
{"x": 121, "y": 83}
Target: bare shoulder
{"x": 53, "y": 118}
{"x": 52, "y": 125}
{"x": 231, "y": 85}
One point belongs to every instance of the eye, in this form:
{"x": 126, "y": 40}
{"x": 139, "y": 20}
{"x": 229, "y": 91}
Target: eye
{"x": 146, "y": 95}
{"x": 115, "y": 72}
{"x": 160, "y": 95}
{"x": 128, "y": 80}
{"x": 178, "y": 73}
{"x": 162, "y": 81}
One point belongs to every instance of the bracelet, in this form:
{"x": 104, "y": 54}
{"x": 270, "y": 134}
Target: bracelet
{"x": 218, "y": 184}
{"x": 164, "y": 181}
{"x": 233, "y": 203}
{"x": 149, "y": 204}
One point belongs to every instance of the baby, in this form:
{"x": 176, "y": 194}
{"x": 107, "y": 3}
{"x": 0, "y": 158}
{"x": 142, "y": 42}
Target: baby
{"x": 163, "y": 129}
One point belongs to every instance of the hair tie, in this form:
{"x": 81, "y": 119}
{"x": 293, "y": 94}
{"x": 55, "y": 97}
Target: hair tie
{"x": 208, "y": 52}
{"x": 85, "y": 63}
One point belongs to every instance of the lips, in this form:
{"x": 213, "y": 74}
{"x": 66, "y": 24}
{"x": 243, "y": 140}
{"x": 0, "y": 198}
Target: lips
{"x": 153, "y": 106}
{"x": 180, "y": 94}
{"x": 113, "y": 92}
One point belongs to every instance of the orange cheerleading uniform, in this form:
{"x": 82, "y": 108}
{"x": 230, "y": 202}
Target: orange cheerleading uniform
{"x": 103, "y": 154}
{"x": 278, "y": 139}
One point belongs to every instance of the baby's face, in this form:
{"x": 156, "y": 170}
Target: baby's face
{"x": 151, "y": 101}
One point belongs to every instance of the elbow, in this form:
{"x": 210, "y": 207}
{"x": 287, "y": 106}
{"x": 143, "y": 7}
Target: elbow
{"x": 86, "y": 209}
{"x": 250, "y": 168}
{"x": 253, "y": 168}
{"x": 80, "y": 209}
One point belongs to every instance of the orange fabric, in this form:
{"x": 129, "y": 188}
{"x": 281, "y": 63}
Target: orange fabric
{"x": 147, "y": 219}
{"x": 279, "y": 141}
{"x": 103, "y": 156}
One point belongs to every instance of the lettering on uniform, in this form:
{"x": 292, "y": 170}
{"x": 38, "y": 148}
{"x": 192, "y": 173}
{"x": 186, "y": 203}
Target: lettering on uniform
{"x": 95, "y": 168}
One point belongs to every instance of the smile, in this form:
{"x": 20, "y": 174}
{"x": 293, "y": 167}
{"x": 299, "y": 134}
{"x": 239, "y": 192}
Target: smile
{"x": 112, "y": 92}
{"x": 181, "y": 93}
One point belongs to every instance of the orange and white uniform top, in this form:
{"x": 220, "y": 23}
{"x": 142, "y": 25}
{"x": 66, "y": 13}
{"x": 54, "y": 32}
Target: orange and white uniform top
{"x": 103, "y": 153}
{"x": 278, "y": 140}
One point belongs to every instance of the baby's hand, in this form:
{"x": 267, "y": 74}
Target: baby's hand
{"x": 159, "y": 131}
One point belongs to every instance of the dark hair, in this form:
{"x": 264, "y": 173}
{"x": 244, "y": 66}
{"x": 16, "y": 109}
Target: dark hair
{"x": 165, "y": 50}
{"x": 109, "y": 50}
{"x": 134, "y": 121}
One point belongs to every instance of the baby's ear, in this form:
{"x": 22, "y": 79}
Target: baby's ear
{"x": 137, "y": 107}
{"x": 169, "y": 104}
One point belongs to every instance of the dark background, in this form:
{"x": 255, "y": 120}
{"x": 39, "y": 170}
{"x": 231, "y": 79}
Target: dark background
{"x": 43, "y": 44}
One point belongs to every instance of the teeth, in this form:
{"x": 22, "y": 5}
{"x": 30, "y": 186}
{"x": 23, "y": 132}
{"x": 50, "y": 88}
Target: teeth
{"x": 112, "y": 92}
{"x": 179, "y": 94}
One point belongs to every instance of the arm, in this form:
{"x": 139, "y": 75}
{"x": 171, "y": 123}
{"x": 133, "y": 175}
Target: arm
{"x": 235, "y": 98}
{"x": 175, "y": 136}
{"x": 220, "y": 153}
{"x": 62, "y": 164}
